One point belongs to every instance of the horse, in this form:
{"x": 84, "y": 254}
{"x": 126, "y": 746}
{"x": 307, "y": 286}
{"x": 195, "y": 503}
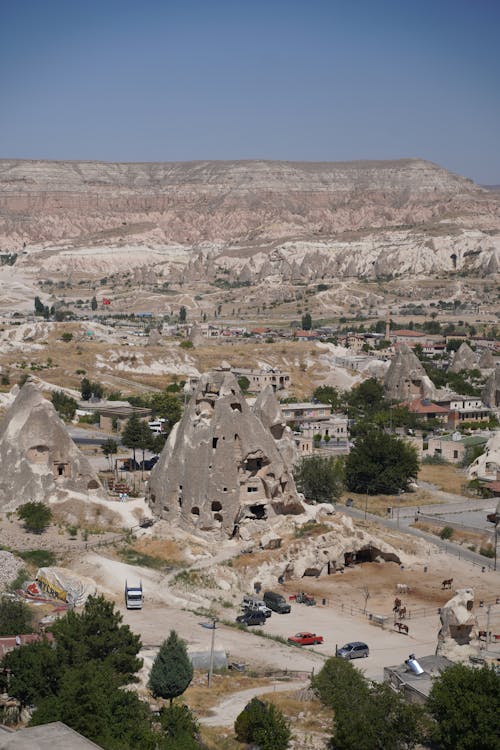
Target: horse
{"x": 446, "y": 584}
{"x": 402, "y": 588}
{"x": 402, "y": 628}
{"x": 397, "y": 605}
{"x": 402, "y": 613}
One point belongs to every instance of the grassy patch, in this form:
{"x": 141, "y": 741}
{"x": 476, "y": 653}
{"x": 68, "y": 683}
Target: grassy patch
{"x": 193, "y": 579}
{"x": 39, "y": 558}
{"x": 311, "y": 528}
{"x": 18, "y": 581}
{"x": 446, "y": 477}
{"x": 133, "y": 557}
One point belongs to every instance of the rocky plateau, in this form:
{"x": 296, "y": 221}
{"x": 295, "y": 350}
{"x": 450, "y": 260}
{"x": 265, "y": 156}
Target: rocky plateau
{"x": 253, "y": 222}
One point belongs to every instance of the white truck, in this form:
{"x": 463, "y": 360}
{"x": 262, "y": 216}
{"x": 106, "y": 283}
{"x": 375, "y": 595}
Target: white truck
{"x": 133, "y": 596}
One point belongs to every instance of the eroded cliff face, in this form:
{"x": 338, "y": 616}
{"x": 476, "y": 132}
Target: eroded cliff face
{"x": 257, "y": 218}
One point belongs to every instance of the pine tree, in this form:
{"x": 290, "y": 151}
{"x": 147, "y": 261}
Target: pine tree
{"x": 172, "y": 671}
{"x": 132, "y": 435}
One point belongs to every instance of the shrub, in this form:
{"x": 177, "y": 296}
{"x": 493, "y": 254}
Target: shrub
{"x": 263, "y": 724}
{"x": 36, "y": 516}
{"x": 446, "y": 532}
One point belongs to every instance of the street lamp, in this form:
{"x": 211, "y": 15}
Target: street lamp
{"x": 496, "y": 540}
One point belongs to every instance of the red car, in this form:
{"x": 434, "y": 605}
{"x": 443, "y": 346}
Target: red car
{"x": 306, "y": 639}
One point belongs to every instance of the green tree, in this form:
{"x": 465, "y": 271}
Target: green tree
{"x": 39, "y": 306}
{"x": 380, "y": 462}
{"x": 167, "y": 406}
{"x": 180, "y": 728}
{"x": 367, "y": 717}
{"x": 172, "y": 670}
{"x": 132, "y": 435}
{"x": 89, "y": 388}
{"x": 465, "y": 704}
{"x": 109, "y": 449}
{"x": 365, "y": 399}
{"x": 15, "y": 617}
{"x": 182, "y": 314}
{"x": 65, "y": 406}
{"x": 98, "y": 635}
{"x": 244, "y": 383}
{"x": 306, "y": 322}
{"x": 263, "y": 724}
{"x": 327, "y": 394}
{"x": 67, "y": 336}
{"x": 93, "y": 304}
{"x": 340, "y": 685}
{"x": 90, "y": 702}
{"x": 35, "y": 672}
{"x": 320, "y": 479}
{"x": 36, "y": 516}
{"x": 145, "y": 442}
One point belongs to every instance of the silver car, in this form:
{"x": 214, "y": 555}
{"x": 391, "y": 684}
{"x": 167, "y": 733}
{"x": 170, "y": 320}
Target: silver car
{"x": 353, "y": 650}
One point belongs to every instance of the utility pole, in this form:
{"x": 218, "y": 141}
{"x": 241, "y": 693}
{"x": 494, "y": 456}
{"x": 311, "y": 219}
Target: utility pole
{"x": 496, "y": 540}
{"x": 366, "y": 503}
{"x": 211, "y": 665}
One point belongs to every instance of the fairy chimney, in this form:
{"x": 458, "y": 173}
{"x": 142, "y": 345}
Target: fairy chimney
{"x": 39, "y": 460}
{"x": 220, "y": 465}
{"x": 464, "y": 359}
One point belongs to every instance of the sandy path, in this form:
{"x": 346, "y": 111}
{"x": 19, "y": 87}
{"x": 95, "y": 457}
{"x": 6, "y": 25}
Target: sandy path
{"x": 224, "y": 714}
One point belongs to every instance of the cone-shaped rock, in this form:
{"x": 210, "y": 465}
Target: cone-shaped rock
{"x": 220, "y": 465}
{"x": 38, "y": 459}
{"x": 406, "y": 377}
{"x": 268, "y": 410}
{"x": 490, "y": 394}
{"x": 486, "y": 360}
{"x": 464, "y": 359}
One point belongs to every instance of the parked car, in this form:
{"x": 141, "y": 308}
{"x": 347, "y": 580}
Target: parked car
{"x": 276, "y": 602}
{"x": 130, "y": 465}
{"x": 354, "y": 650}
{"x": 256, "y": 604}
{"x": 148, "y": 463}
{"x": 252, "y": 617}
{"x": 306, "y": 639}
{"x": 145, "y": 523}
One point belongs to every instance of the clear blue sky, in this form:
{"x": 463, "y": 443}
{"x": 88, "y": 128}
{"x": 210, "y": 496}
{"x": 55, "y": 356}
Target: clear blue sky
{"x": 321, "y": 80}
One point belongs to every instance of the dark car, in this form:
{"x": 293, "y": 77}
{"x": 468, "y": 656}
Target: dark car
{"x": 148, "y": 464}
{"x": 276, "y": 602}
{"x": 130, "y": 465}
{"x": 252, "y": 617}
{"x": 145, "y": 523}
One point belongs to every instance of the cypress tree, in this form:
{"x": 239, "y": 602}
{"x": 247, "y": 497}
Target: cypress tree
{"x": 172, "y": 671}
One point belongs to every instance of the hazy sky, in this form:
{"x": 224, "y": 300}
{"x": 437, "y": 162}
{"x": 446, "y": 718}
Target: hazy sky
{"x": 322, "y": 80}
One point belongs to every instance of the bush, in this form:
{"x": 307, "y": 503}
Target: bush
{"x": 434, "y": 459}
{"x": 36, "y": 516}
{"x": 40, "y": 558}
{"x": 186, "y": 344}
{"x": 320, "y": 479}
{"x": 263, "y": 724}
{"x": 446, "y": 532}
{"x": 15, "y": 617}
{"x": 488, "y": 551}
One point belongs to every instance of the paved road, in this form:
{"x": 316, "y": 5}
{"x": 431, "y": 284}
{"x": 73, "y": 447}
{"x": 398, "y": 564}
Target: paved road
{"x": 224, "y": 713}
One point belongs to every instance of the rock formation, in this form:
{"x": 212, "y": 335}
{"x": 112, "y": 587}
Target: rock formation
{"x": 39, "y": 460}
{"x": 487, "y": 464}
{"x": 486, "y": 360}
{"x": 220, "y": 466}
{"x": 464, "y": 359}
{"x": 268, "y": 410}
{"x": 406, "y": 377}
{"x": 491, "y": 392}
{"x": 171, "y": 219}
{"x": 457, "y": 622}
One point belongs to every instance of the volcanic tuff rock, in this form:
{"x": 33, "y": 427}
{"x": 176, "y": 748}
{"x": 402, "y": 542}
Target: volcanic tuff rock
{"x": 406, "y": 377}
{"x": 220, "y": 466}
{"x": 491, "y": 391}
{"x": 464, "y": 359}
{"x": 457, "y": 622}
{"x": 268, "y": 410}
{"x": 487, "y": 464}
{"x": 486, "y": 360}
{"x": 261, "y": 219}
{"x": 39, "y": 460}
